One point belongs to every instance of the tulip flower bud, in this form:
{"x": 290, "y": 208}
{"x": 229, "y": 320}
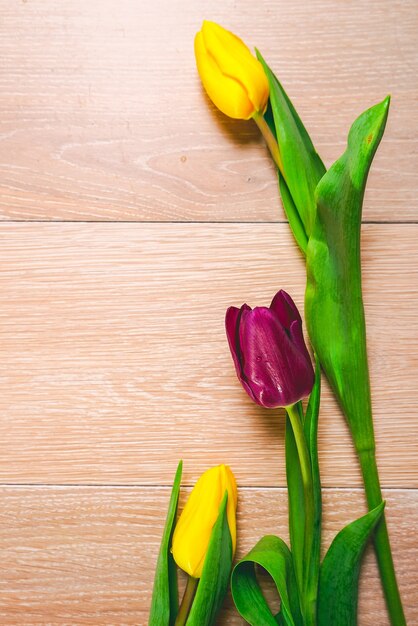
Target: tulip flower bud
{"x": 232, "y": 77}
{"x": 269, "y": 352}
{"x": 194, "y": 527}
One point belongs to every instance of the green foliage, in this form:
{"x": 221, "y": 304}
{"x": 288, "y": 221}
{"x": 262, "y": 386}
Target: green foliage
{"x": 292, "y": 215}
{"x": 164, "y": 604}
{"x": 272, "y": 554}
{"x": 214, "y": 581}
{"x": 311, "y": 434}
{"x": 305, "y": 542}
{"x": 338, "y": 587}
{"x": 302, "y": 165}
{"x": 296, "y": 506}
{"x": 333, "y": 303}
{"x": 334, "y": 313}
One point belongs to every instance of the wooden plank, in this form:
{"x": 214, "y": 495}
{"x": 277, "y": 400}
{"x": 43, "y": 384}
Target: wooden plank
{"x": 102, "y": 116}
{"x": 85, "y": 555}
{"x": 114, "y": 364}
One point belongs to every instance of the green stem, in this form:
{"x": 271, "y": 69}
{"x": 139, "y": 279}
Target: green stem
{"x": 308, "y": 607}
{"x": 381, "y": 539}
{"x": 186, "y": 603}
{"x": 270, "y": 140}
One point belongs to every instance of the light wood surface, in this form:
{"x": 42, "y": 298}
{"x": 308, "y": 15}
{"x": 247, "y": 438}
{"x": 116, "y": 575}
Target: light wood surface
{"x": 103, "y": 116}
{"x": 87, "y": 554}
{"x": 113, "y": 359}
{"x": 114, "y": 354}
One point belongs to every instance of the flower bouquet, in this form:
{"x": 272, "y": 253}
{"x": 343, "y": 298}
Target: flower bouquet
{"x": 274, "y": 366}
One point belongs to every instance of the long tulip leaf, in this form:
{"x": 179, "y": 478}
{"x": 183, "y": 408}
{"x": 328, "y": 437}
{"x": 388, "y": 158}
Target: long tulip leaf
{"x": 289, "y": 206}
{"x": 296, "y": 505}
{"x": 333, "y": 294}
{"x": 334, "y": 301}
{"x": 305, "y": 540}
{"x": 214, "y": 581}
{"x": 164, "y": 603}
{"x": 292, "y": 215}
{"x": 311, "y": 433}
{"x": 339, "y": 576}
{"x": 303, "y": 168}
{"x": 272, "y": 554}
{"x": 339, "y": 197}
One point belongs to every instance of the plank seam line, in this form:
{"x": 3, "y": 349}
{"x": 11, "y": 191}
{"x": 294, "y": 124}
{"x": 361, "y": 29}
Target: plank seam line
{"x": 187, "y": 485}
{"x": 184, "y": 222}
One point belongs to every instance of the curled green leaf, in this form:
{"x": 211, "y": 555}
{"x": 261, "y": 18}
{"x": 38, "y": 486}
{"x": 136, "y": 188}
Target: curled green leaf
{"x": 274, "y": 556}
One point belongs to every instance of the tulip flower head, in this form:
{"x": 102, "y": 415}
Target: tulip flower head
{"x": 232, "y": 77}
{"x": 269, "y": 352}
{"x": 193, "y": 530}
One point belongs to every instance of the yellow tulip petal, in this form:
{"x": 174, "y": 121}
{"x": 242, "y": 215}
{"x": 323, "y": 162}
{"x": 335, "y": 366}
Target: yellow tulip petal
{"x": 194, "y": 527}
{"x": 233, "y": 78}
{"x": 234, "y": 59}
{"x": 227, "y": 94}
{"x": 192, "y": 533}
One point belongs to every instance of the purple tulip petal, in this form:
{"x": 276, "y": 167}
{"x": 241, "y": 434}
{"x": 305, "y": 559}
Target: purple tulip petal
{"x": 231, "y": 319}
{"x": 232, "y": 322}
{"x": 296, "y": 334}
{"x": 285, "y": 309}
{"x": 265, "y": 349}
{"x": 270, "y": 355}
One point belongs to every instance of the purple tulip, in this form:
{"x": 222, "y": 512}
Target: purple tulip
{"x": 269, "y": 352}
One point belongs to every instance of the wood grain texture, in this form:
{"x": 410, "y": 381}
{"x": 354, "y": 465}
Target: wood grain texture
{"x": 113, "y": 360}
{"x": 102, "y": 116}
{"x": 82, "y": 555}
{"x": 114, "y": 363}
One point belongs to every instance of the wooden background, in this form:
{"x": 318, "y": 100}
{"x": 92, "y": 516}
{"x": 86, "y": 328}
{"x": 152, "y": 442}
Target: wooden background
{"x": 133, "y": 214}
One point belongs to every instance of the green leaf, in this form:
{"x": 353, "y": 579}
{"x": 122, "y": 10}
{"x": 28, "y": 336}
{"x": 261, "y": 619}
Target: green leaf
{"x": 289, "y": 207}
{"x": 302, "y": 165}
{"x": 333, "y": 294}
{"x": 311, "y": 432}
{"x": 274, "y": 556}
{"x": 307, "y": 572}
{"x": 164, "y": 603}
{"x": 280, "y": 619}
{"x": 214, "y": 581}
{"x": 296, "y": 505}
{"x": 338, "y": 585}
{"x": 339, "y": 198}
{"x": 292, "y": 215}
{"x": 335, "y": 315}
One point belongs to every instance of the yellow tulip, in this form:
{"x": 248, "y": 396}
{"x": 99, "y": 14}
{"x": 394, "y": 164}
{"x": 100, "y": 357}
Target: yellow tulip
{"x": 232, "y": 77}
{"x": 194, "y": 527}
